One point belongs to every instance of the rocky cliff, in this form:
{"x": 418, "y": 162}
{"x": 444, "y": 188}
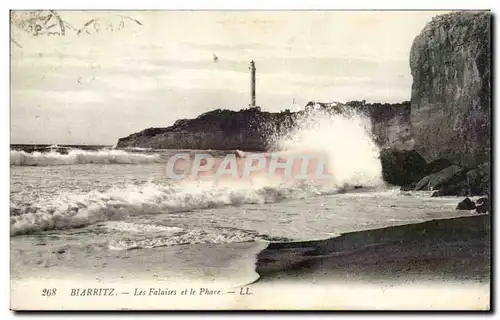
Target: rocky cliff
{"x": 254, "y": 130}
{"x": 450, "y": 101}
{"x": 248, "y": 130}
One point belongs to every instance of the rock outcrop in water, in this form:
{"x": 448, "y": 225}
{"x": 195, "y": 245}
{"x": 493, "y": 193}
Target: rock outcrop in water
{"x": 450, "y": 101}
{"x": 256, "y": 130}
{"x": 402, "y": 167}
{"x": 466, "y": 204}
{"x": 483, "y": 205}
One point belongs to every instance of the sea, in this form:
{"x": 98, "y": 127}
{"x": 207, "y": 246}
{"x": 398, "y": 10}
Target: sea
{"x": 73, "y": 205}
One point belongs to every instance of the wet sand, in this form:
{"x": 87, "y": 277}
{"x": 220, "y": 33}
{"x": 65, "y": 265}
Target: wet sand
{"x": 434, "y": 265}
{"x": 439, "y": 264}
{"x": 448, "y": 249}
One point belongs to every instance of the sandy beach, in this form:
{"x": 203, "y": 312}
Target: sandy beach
{"x": 450, "y": 250}
{"x": 439, "y": 264}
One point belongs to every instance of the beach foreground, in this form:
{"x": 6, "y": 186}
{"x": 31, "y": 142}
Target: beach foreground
{"x": 439, "y": 264}
{"x": 451, "y": 249}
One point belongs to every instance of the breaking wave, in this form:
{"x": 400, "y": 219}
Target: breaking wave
{"x": 345, "y": 138}
{"x": 70, "y": 210}
{"x": 77, "y": 156}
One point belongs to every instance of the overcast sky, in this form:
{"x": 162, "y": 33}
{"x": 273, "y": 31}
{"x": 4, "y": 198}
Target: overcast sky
{"x": 118, "y": 77}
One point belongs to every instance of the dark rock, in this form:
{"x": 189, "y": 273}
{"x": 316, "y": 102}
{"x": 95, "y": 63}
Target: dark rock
{"x": 483, "y": 205}
{"x": 466, "y": 204}
{"x": 448, "y": 176}
{"x": 467, "y": 183}
{"x": 437, "y": 165}
{"x": 401, "y": 167}
{"x": 474, "y": 180}
{"x": 450, "y": 101}
{"x": 478, "y": 180}
{"x": 409, "y": 187}
{"x": 459, "y": 189}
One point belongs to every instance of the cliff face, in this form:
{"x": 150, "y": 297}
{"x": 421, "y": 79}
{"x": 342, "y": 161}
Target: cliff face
{"x": 391, "y": 126}
{"x": 254, "y": 130}
{"x": 450, "y": 101}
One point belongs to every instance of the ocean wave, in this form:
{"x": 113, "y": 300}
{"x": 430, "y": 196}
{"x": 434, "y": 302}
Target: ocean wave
{"x": 139, "y": 228}
{"x": 77, "y": 156}
{"x": 78, "y": 210}
{"x": 347, "y": 141}
{"x": 137, "y": 149}
{"x": 219, "y": 235}
{"x": 56, "y": 146}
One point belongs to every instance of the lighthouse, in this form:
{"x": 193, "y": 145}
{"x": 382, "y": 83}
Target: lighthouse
{"x": 252, "y": 83}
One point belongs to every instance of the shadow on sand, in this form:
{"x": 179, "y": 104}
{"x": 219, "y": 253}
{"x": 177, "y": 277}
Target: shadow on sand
{"x": 450, "y": 249}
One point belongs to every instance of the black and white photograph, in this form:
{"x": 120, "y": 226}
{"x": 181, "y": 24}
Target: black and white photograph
{"x": 333, "y": 160}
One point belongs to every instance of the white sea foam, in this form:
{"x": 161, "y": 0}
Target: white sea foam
{"x": 77, "y": 156}
{"x": 140, "y": 228}
{"x": 191, "y": 237}
{"x": 69, "y": 210}
{"x": 346, "y": 139}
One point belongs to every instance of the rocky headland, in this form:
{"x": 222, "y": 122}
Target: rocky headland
{"x": 255, "y": 130}
{"x": 440, "y": 140}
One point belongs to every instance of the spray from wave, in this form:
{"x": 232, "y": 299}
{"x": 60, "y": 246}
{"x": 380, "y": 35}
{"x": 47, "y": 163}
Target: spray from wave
{"x": 76, "y": 156}
{"x": 346, "y": 139}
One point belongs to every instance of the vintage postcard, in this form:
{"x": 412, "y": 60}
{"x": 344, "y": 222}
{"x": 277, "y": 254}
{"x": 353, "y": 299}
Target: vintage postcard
{"x": 250, "y": 160}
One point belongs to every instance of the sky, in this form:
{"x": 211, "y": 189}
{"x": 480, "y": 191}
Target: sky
{"x": 130, "y": 70}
